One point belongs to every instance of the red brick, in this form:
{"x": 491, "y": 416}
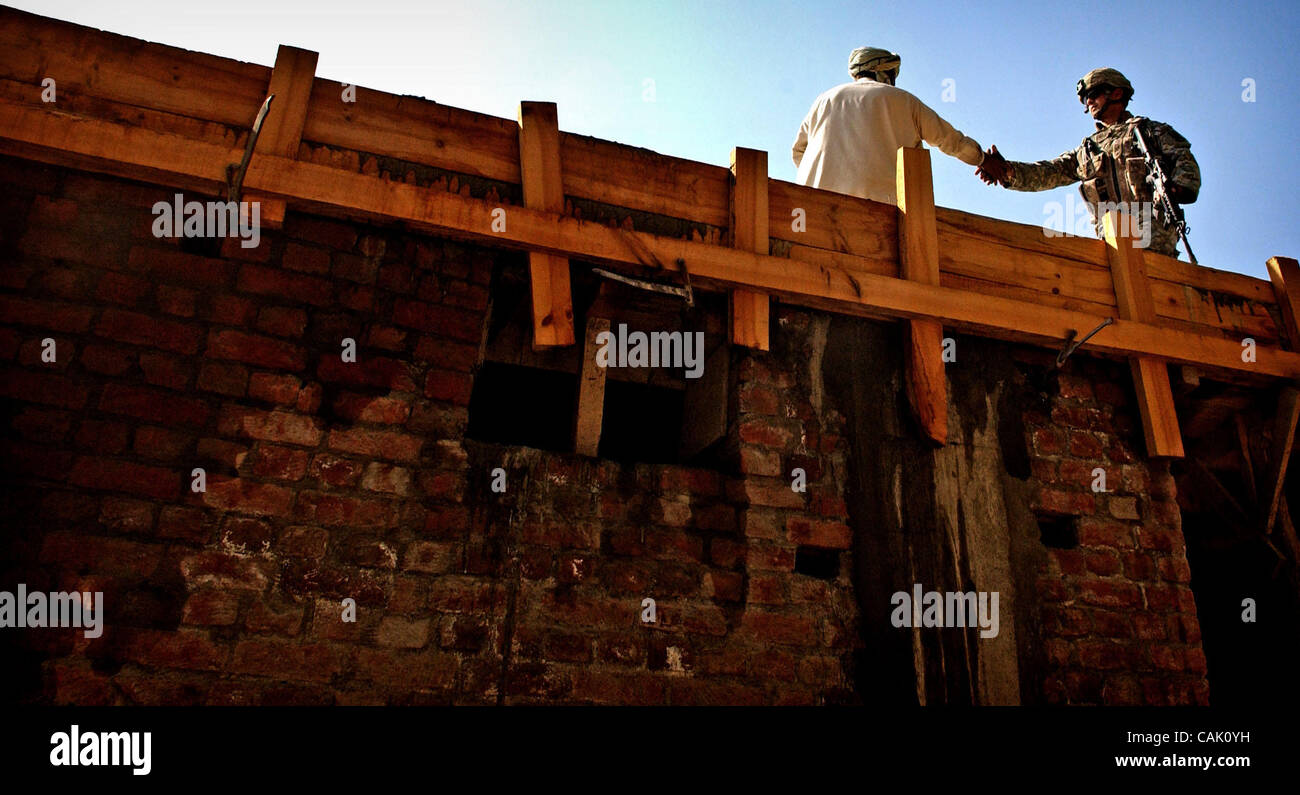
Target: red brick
{"x": 284, "y": 285}
{"x": 1048, "y": 441}
{"x": 1085, "y": 445}
{"x": 163, "y": 370}
{"x": 335, "y": 471}
{"x": 1065, "y": 502}
{"x": 1110, "y": 593}
{"x": 386, "y": 478}
{"x": 330, "y": 509}
{"x": 106, "y": 361}
{"x": 23, "y": 311}
{"x": 279, "y": 388}
{"x": 122, "y": 288}
{"x": 1104, "y": 563}
{"x": 276, "y": 620}
{"x": 227, "y": 379}
{"x": 270, "y": 426}
{"x": 282, "y": 321}
{"x": 449, "y": 386}
{"x": 603, "y": 687}
{"x": 280, "y": 463}
{"x": 153, "y": 405}
{"x": 446, "y": 355}
{"x": 243, "y": 496}
{"x": 103, "y": 437}
{"x": 113, "y": 475}
{"x": 47, "y": 425}
{"x": 109, "y": 556}
{"x": 387, "y": 445}
{"x": 127, "y": 516}
{"x": 138, "y": 329}
{"x": 160, "y": 443}
{"x": 829, "y": 535}
{"x": 768, "y": 627}
{"x": 768, "y": 492}
{"x": 779, "y": 435}
{"x": 1102, "y": 533}
{"x": 49, "y": 388}
{"x": 366, "y": 408}
{"x": 758, "y": 461}
{"x": 177, "y": 300}
{"x": 180, "y": 649}
{"x": 253, "y": 349}
{"x": 172, "y": 265}
{"x": 759, "y": 399}
{"x": 329, "y": 233}
{"x": 211, "y": 608}
{"x": 376, "y": 371}
{"x": 231, "y": 310}
{"x": 304, "y": 542}
{"x": 316, "y": 662}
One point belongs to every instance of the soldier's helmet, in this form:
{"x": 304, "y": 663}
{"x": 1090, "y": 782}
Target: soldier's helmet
{"x": 1110, "y": 78}
{"x": 864, "y": 60}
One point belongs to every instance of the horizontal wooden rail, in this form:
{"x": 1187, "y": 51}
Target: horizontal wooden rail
{"x": 118, "y": 148}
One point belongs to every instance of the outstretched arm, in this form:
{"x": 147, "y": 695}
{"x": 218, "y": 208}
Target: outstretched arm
{"x": 1045, "y": 174}
{"x": 942, "y": 135}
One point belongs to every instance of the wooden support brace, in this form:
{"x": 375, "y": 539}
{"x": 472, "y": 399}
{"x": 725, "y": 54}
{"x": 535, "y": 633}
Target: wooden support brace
{"x": 539, "y": 165}
{"x": 291, "y": 82}
{"x": 1150, "y": 374}
{"x": 1285, "y": 275}
{"x": 750, "y": 310}
{"x": 918, "y": 256}
{"x": 1288, "y": 410}
{"x": 591, "y": 391}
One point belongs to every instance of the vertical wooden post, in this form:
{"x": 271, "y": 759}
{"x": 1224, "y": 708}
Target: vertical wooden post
{"x": 1150, "y": 375}
{"x": 1285, "y": 274}
{"x": 591, "y": 392}
{"x": 750, "y": 311}
{"x": 291, "y": 82}
{"x": 539, "y": 165}
{"x": 918, "y": 255}
{"x": 1284, "y": 424}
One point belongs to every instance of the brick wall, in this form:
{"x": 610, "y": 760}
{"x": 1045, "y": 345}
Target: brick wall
{"x": 329, "y": 480}
{"x": 1119, "y": 615}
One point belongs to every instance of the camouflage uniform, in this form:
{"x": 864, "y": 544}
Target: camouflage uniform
{"x": 1094, "y": 162}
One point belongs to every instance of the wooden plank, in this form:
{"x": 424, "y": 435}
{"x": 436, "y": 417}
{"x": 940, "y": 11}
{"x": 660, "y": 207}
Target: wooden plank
{"x": 705, "y": 408}
{"x": 86, "y": 61}
{"x": 1288, "y": 410}
{"x": 1285, "y": 275}
{"x": 640, "y": 179}
{"x": 1150, "y": 375}
{"x": 591, "y": 391}
{"x": 918, "y": 257}
{"x": 1247, "y": 461}
{"x": 750, "y": 310}
{"x": 833, "y": 221}
{"x": 539, "y": 165}
{"x": 137, "y": 153}
{"x": 1233, "y": 316}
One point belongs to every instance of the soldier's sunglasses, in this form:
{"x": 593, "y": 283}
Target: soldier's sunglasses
{"x": 1095, "y": 91}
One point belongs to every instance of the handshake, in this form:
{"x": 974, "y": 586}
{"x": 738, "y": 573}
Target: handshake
{"x": 993, "y": 169}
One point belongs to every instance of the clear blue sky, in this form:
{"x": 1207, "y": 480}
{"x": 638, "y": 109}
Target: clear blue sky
{"x": 744, "y": 74}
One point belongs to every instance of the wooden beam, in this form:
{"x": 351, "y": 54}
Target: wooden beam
{"x": 918, "y": 257}
{"x": 172, "y": 160}
{"x": 750, "y": 310}
{"x": 1285, "y": 275}
{"x": 591, "y": 391}
{"x": 291, "y": 83}
{"x": 1288, "y": 410}
{"x": 539, "y": 167}
{"x": 1150, "y": 374}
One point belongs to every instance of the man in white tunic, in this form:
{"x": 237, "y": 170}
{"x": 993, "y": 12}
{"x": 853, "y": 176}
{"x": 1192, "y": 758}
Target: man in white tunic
{"x": 849, "y": 140}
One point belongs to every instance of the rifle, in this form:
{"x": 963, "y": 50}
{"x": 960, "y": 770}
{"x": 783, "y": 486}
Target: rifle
{"x": 1166, "y": 207}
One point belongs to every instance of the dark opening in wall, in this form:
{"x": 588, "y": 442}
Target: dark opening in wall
{"x": 641, "y": 423}
{"x": 526, "y": 406}
{"x": 1058, "y": 532}
{"x": 815, "y": 562}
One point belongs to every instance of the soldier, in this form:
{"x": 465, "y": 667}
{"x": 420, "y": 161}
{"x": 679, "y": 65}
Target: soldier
{"x": 1109, "y": 162}
{"x": 849, "y": 140}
